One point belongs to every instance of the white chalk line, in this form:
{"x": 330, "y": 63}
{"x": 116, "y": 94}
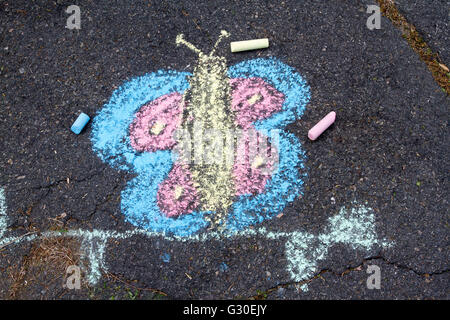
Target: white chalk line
{"x": 2, "y": 212}
{"x": 354, "y": 227}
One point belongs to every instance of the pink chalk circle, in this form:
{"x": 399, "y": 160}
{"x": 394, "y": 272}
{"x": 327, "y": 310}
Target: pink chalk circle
{"x": 254, "y": 99}
{"x": 177, "y": 194}
{"x": 321, "y": 126}
{"x": 155, "y": 122}
{"x": 254, "y": 163}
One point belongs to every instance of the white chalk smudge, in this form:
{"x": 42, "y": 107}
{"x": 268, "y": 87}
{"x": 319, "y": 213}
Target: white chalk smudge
{"x": 94, "y": 251}
{"x": 354, "y": 227}
{"x": 2, "y": 212}
{"x": 304, "y": 287}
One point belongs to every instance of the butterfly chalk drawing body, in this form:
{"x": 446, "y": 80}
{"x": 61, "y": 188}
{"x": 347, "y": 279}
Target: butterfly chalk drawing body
{"x": 138, "y": 131}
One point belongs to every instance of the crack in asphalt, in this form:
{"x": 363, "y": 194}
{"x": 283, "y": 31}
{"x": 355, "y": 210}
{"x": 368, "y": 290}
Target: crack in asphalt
{"x": 108, "y": 198}
{"x": 346, "y": 271}
{"x": 57, "y": 182}
{"x": 405, "y": 267}
{"x": 38, "y": 189}
{"x": 417, "y": 43}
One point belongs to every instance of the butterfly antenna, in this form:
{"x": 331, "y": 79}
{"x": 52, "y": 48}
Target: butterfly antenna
{"x": 223, "y": 34}
{"x": 180, "y": 40}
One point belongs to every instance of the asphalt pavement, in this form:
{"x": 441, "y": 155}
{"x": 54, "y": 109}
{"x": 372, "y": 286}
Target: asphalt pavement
{"x": 374, "y": 186}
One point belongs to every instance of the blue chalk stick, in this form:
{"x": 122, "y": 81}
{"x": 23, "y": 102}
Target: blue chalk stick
{"x": 79, "y": 124}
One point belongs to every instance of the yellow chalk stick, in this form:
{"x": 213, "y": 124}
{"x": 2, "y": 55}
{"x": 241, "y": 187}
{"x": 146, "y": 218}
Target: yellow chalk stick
{"x": 249, "y": 45}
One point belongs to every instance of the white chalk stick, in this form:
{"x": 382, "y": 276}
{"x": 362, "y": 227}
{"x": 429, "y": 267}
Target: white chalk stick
{"x": 249, "y": 45}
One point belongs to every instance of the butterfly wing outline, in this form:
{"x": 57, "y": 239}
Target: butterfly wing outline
{"x": 286, "y": 182}
{"x": 112, "y": 142}
{"x": 120, "y": 140}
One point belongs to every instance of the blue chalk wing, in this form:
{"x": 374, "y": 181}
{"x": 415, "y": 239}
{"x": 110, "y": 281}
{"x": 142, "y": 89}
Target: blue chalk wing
{"x": 286, "y": 183}
{"x": 110, "y": 135}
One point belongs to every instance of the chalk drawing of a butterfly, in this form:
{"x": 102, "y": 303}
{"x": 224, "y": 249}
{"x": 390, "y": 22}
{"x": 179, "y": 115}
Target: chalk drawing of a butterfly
{"x": 136, "y": 131}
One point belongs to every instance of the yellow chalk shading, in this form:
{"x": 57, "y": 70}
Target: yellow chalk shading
{"x": 157, "y": 128}
{"x": 254, "y": 99}
{"x": 180, "y": 40}
{"x": 178, "y": 192}
{"x": 209, "y": 107}
{"x": 258, "y": 162}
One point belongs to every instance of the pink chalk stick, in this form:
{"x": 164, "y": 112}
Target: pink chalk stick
{"x": 321, "y": 126}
